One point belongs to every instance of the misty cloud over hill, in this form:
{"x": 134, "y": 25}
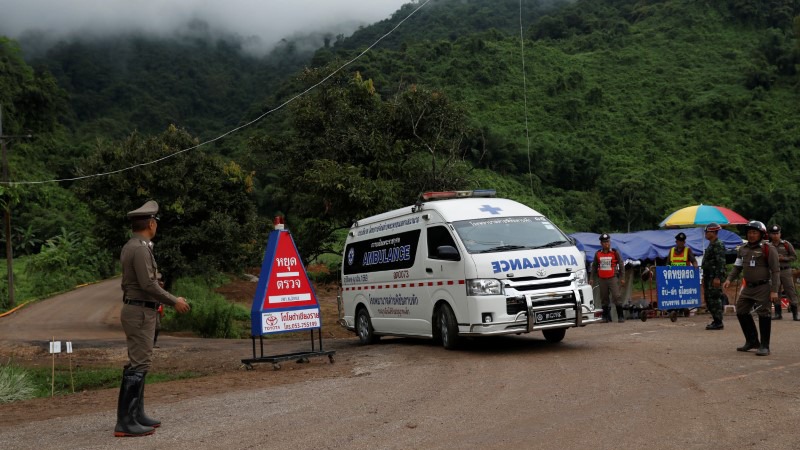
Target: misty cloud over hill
{"x": 262, "y": 23}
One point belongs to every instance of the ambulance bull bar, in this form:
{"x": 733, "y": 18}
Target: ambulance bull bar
{"x": 525, "y": 321}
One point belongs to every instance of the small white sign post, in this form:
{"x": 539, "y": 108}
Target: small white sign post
{"x": 69, "y": 354}
{"x": 55, "y": 347}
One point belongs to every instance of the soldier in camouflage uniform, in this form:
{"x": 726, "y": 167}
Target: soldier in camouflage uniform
{"x": 713, "y": 274}
{"x": 758, "y": 262}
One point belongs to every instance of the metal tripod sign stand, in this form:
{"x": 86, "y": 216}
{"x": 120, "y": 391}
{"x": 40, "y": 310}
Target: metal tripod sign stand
{"x": 284, "y": 302}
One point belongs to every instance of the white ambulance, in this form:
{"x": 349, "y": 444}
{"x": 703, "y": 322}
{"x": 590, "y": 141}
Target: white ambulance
{"x": 462, "y": 263}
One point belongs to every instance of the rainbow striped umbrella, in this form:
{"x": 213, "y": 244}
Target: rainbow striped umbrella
{"x": 702, "y": 215}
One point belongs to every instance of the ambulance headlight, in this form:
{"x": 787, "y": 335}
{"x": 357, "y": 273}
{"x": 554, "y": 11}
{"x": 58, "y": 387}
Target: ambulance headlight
{"x": 580, "y": 277}
{"x": 484, "y": 286}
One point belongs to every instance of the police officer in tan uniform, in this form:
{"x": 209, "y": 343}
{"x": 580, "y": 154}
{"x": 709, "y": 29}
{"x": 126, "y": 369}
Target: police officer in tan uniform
{"x": 758, "y": 261}
{"x": 786, "y": 255}
{"x": 141, "y": 298}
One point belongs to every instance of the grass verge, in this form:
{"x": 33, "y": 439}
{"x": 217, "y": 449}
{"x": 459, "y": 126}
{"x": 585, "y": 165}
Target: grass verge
{"x": 21, "y": 383}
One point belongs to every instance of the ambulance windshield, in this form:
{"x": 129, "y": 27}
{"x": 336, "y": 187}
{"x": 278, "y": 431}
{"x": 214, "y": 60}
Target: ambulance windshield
{"x": 509, "y": 233}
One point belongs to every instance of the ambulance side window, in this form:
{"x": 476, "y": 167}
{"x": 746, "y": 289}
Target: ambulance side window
{"x": 439, "y": 236}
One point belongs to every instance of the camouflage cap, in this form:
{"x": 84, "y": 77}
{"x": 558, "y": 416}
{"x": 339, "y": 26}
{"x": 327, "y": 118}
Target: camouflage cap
{"x": 149, "y": 210}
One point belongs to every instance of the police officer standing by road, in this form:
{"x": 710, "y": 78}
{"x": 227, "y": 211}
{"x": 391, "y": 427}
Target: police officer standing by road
{"x": 786, "y": 255}
{"x": 713, "y": 274}
{"x": 610, "y": 269}
{"x": 141, "y": 297}
{"x": 758, "y": 261}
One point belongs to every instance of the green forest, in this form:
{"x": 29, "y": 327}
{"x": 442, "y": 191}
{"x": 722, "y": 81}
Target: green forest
{"x": 620, "y": 112}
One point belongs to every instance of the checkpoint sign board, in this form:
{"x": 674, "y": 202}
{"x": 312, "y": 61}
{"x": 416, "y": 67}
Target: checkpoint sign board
{"x": 678, "y": 287}
{"x": 284, "y": 300}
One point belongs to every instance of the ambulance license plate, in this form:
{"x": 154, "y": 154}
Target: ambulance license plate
{"x": 551, "y": 316}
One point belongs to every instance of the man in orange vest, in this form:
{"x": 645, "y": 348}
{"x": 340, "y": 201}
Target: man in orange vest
{"x": 610, "y": 270}
{"x": 681, "y": 255}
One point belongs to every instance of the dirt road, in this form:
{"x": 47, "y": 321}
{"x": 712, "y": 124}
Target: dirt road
{"x": 655, "y": 384}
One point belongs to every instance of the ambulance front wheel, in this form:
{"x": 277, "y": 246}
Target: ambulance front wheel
{"x": 366, "y": 334}
{"x": 448, "y": 327}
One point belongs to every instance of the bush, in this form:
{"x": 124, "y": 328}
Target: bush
{"x": 211, "y": 315}
{"x": 15, "y": 384}
{"x": 65, "y": 261}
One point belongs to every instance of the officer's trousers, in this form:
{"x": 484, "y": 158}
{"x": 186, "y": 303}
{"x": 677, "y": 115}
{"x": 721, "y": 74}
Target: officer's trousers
{"x": 610, "y": 285}
{"x": 139, "y": 324}
{"x": 755, "y": 297}
{"x": 787, "y": 281}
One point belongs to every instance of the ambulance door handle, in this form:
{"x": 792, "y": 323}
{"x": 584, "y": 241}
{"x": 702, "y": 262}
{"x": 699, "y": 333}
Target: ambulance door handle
{"x": 428, "y": 270}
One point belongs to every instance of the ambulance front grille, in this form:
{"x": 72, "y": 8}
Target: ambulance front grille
{"x": 516, "y": 305}
{"x": 526, "y": 284}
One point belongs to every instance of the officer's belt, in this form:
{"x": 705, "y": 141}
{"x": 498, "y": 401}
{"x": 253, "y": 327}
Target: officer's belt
{"x": 756, "y": 283}
{"x": 151, "y": 305}
{"x": 786, "y": 267}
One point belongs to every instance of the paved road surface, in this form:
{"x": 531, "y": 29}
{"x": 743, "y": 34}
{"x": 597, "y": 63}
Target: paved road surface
{"x": 635, "y": 385}
{"x": 89, "y": 312}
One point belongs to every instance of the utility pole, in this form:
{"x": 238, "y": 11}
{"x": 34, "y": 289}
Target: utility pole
{"x": 7, "y": 212}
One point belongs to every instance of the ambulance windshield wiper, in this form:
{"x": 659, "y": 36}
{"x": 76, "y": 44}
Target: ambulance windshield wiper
{"x": 501, "y": 248}
{"x": 551, "y": 244}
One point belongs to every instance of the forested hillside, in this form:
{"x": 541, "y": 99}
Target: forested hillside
{"x": 201, "y": 80}
{"x": 633, "y": 108}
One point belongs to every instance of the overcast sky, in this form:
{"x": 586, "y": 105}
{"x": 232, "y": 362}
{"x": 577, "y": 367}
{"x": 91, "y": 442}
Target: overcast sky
{"x": 271, "y": 20}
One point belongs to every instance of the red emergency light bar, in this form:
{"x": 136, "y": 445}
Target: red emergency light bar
{"x": 478, "y": 193}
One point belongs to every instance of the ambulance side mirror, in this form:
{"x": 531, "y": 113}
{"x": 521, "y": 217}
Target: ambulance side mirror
{"x": 448, "y": 253}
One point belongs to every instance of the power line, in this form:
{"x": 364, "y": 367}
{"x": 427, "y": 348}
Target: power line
{"x": 112, "y": 172}
{"x": 525, "y": 96}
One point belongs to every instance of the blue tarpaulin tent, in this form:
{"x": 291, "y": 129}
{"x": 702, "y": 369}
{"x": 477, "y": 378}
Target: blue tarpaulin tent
{"x": 649, "y": 245}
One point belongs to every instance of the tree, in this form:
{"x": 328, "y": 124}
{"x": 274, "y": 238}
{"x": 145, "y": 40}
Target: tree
{"x": 349, "y": 154}
{"x": 207, "y": 221}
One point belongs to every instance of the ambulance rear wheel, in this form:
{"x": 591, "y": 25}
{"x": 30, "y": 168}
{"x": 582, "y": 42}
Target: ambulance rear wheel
{"x": 366, "y": 334}
{"x": 554, "y": 335}
{"x": 448, "y": 327}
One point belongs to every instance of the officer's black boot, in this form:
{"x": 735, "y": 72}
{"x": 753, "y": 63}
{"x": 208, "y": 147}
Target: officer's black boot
{"x": 127, "y": 407}
{"x": 716, "y": 324}
{"x": 620, "y": 314}
{"x": 794, "y": 312}
{"x": 750, "y": 332}
{"x": 765, "y": 324}
{"x": 778, "y": 311}
{"x": 141, "y": 417}
{"x": 606, "y": 314}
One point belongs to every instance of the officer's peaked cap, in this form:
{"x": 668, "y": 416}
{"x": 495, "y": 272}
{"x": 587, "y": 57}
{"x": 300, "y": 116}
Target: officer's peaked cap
{"x": 604, "y": 237}
{"x": 680, "y": 236}
{"x": 775, "y": 229}
{"x": 148, "y": 210}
